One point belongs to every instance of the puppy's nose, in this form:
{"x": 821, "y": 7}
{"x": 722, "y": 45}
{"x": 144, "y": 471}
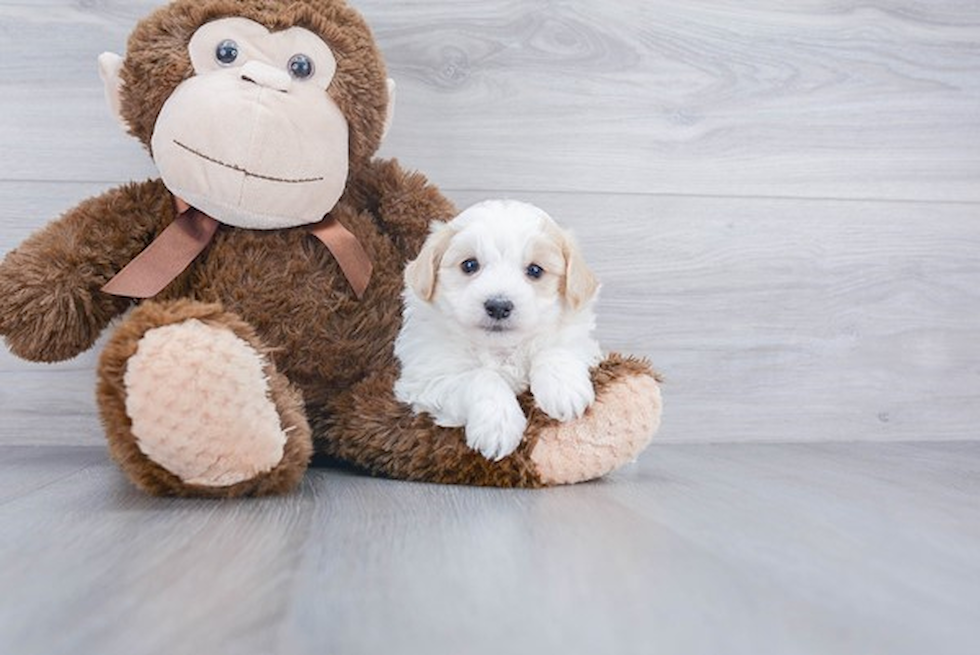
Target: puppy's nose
{"x": 498, "y": 308}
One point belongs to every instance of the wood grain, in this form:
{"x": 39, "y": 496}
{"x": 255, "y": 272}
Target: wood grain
{"x": 173, "y": 570}
{"x": 732, "y": 171}
{"x": 822, "y": 99}
{"x": 773, "y": 320}
{"x": 802, "y": 549}
{"x": 788, "y": 320}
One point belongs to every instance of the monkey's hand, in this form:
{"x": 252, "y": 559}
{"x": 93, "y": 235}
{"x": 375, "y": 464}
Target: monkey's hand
{"x": 51, "y": 306}
{"x": 48, "y": 309}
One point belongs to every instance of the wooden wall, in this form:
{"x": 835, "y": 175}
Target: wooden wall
{"x": 782, "y": 199}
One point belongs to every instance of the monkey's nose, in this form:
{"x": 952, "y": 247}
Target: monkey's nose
{"x": 268, "y": 76}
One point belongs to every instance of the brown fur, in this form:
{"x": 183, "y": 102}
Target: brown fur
{"x": 329, "y": 355}
{"x": 372, "y": 430}
{"x": 123, "y": 446}
{"x": 51, "y": 308}
{"x": 157, "y": 60}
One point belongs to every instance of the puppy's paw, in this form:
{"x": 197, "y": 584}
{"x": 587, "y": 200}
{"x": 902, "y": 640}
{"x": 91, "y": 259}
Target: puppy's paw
{"x": 495, "y": 428}
{"x": 562, "y": 391}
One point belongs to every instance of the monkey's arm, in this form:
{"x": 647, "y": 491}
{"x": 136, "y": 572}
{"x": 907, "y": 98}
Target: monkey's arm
{"x": 368, "y": 427}
{"x": 51, "y": 306}
{"x": 403, "y": 203}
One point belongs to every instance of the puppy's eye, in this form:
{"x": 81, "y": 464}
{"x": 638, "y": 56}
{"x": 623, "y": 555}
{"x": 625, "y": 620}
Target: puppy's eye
{"x": 470, "y": 266}
{"x": 534, "y": 271}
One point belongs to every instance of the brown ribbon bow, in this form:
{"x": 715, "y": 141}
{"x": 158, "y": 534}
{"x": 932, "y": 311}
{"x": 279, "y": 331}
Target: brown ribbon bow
{"x": 191, "y": 232}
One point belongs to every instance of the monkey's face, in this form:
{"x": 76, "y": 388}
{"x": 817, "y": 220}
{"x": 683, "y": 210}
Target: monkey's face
{"x": 252, "y": 138}
{"x": 254, "y": 110}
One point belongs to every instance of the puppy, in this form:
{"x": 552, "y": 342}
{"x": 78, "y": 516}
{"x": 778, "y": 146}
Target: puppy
{"x": 498, "y": 301}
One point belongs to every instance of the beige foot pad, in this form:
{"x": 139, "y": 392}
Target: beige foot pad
{"x": 613, "y": 432}
{"x": 199, "y": 403}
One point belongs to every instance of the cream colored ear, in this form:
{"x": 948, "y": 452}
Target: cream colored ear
{"x": 421, "y": 272}
{"x": 390, "y": 111}
{"x": 581, "y": 284}
{"x": 110, "y": 66}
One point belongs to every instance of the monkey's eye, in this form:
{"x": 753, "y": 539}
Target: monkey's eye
{"x": 226, "y": 53}
{"x": 534, "y": 271}
{"x": 470, "y": 266}
{"x": 301, "y": 67}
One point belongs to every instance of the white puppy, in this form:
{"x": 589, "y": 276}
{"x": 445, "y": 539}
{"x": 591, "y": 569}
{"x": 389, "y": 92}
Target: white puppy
{"x": 498, "y": 301}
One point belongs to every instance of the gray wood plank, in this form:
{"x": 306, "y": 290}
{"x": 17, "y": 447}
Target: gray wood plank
{"x": 822, "y": 99}
{"x": 129, "y": 573}
{"x": 44, "y": 403}
{"x": 773, "y": 320}
{"x": 736, "y": 548}
{"x": 785, "y": 320}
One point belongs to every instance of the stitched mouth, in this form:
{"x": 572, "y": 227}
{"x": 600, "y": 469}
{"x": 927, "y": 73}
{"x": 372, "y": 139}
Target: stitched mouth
{"x": 247, "y": 172}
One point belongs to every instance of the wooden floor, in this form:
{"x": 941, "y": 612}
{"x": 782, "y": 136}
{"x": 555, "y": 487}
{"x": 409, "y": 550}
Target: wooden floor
{"x": 697, "y": 549}
{"x": 782, "y": 201}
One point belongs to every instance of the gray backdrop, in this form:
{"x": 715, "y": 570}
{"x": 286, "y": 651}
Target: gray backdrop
{"x": 780, "y": 198}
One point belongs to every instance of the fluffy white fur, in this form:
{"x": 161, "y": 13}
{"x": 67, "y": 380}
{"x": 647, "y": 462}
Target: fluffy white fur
{"x": 464, "y": 361}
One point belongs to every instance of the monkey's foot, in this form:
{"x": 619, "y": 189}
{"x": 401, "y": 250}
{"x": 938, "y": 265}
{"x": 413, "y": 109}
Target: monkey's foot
{"x": 613, "y": 432}
{"x": 205, "y": 412}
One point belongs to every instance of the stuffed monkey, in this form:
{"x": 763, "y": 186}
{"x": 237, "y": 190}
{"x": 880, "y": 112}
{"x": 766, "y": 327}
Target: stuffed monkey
{"x": 257, "y": 283}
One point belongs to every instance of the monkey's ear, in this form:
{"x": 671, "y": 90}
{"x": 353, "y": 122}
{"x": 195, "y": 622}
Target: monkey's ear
{"x": 390, "y": 111}
{"x": 110, "y": 65}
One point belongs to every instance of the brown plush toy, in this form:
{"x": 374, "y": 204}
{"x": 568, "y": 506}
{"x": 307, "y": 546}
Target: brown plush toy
{"x": 264, "y": 271}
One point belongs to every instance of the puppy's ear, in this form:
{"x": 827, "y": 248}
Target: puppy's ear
{"x": 421, "y": 272}
{"x": 580, "y": 284}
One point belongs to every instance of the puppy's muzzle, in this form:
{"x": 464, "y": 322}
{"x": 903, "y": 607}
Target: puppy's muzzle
{"x": 498, "y": 308}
